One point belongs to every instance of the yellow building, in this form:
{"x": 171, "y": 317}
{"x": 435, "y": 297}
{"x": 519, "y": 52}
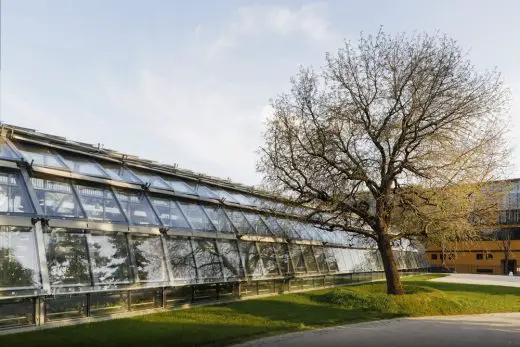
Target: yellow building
{"x": 499, "y": 250}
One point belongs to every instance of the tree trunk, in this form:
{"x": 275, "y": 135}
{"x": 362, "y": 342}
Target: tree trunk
{"x": 393, "y": 280}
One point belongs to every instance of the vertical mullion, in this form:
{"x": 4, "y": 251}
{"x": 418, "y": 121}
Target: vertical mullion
{"x": 154, "y": 210}
{"x": 76, "y": 196}
{"x": 217, "y": 248}
{"x": 229, "y": 219}
{"x": 262, "y": 267}
{"x": 42, "y": 257}
{"x": 131, "y": 252}
{"x": 31, "y": 192}
{"x": 209, "y": 219}
{"x": 278, "y": 263}
{"x": 183, "y": 213}
{"x": 125, "y": 215}
{"x": 197, "y": 276}
{"x": 304, "y": 260}
{"x": 166, "y": 259}
{"x": 88, "y": 241}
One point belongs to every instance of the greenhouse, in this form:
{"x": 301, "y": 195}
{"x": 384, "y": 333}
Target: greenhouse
{"x": 89, "y": 232}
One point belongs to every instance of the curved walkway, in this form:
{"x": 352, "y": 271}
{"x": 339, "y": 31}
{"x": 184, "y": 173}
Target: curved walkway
{"x": 497, "y": 329}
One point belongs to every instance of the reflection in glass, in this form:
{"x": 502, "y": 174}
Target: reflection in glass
{"x": 232, "y": 267}
{"x": 268, "y": 255}
{"x": 207, "y": 260}
{"x": 219, "y": 219}
{"x": 284, "y": 259}
{"x": 67, "y": 258}
{"x": 196, "y": 216}
{"x": 13, "y": 197}
{"x": 224, "y": 195}
{"x": 149, "y": 259}
{"x": 181, "y": 259}
{"x": 343, "y": 266}
{"x": 206, "y": 192}
{"x": 110, "y": 259}
{"x": 258, "y": 224}
{"x": 250, "y": 259}
{"x": 18, "y": 259}
{"x": 56, "y": 198}
{"x": 100, "y": 204}
{"x": 40, "y": 156}
{"x": 288, "y": 229}
{"x": 240, "y": 222}
{"x": 169, "y": 213}
{"x": 120, "y": 173}
{"x": 136, "y": 208}
{"x": 83, "y": 166}
{"x": 297, "y": 258}
{"x": 310, "y": 261}
{"x": 346, "y": 254}
{"x": 274, "y": 226}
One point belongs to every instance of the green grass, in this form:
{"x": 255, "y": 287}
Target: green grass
{"x": 227, "y": 324}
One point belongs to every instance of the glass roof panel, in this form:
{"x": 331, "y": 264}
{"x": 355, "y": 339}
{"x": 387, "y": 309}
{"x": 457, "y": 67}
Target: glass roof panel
{"x": 83, "y": 166}
{"x": 288, "y": 228}
{"x": 120, "y": 172}
{"x": 180, "y": 186}
{"x": 40, "y": 156}
{"x": 224, "y": 195}
{"x": 273, "y": 225}
{"x": 56, "y": 198}
{"x": 196, "y": 216}
{"x": 137, "y": 208}
{"x": 153, "y": 180}
{"x": 169, "y": 213}
{"x": 100, "y": 204}
{"x": 258, "y": 224}
{"x": 13, "y": 195}
{"x": 206, "y": 192}
{"x": 240, "y": 222}
{"x": 242, "y": 199}
{"x": 219, "y": 219}
{"x": 6, "y": 152}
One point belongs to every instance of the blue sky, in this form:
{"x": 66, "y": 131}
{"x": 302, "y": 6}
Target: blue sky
{"x": 189, "y": 82}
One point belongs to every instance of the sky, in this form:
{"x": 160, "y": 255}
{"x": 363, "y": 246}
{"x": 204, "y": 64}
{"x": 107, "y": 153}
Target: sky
{"x": 189, "y": 82}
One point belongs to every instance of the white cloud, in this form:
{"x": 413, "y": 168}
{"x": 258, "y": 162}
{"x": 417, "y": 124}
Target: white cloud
{"x": 309, "y": 21}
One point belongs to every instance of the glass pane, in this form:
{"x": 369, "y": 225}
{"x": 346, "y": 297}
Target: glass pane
{"x": 56, "y": 198}
{"x": 258, "y": 224}
{"x": 206, "y": 192}
{"x": 340, "y": 261}
{"x": 273, "y": 225}
{"x": 181, "y": 259}
{"x": 282, "y": 251}
{"x": 40, "y": 156}
{"x": 110, "y": 259}
{"x": 240, "y": 222}
{"x": 243, "y": 199}
{"x": 151, "y": 179}
{"x": 169, "y": 213}
{"x": 180, "y": 186}
{"x": 207, "y": 259}
{"x": 67, "y": 258}
{"x": 347, "y": 258}
{"x": 136, "y": 208}
{"x": 149, "y": 259}
{"x": 18, "y": 258}
{"x": 219, "y": 219}
{"x": 250, "y": 259}
{"x": 297, "y": 258}
{"x": 13, "y": 196}
{"x": 288, "y": 229}
{"x": 61, "y": 307}
{"x": 223, "y": 195}
{"x": 196, "y": 216}
{"x": 321, "y": 259}
{"x": 308, "y": 255}
{"x": 230, "y": 259}
{"x": 5, "y": 151}
{"x": 100, "y": 204}
{"x": 268, "y": 255}
{"x": 331, "y": 259}
{"x": 120, "y": 173}
{"x": 83, "y": 166}
{"x": 16, "y": 312}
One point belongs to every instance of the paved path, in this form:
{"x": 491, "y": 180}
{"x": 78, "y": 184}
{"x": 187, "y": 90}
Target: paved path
{"x": 494, "y": 280}
{"x": 489, "y": 330}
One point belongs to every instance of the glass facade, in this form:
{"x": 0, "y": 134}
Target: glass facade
{"x": 95, "y": 237}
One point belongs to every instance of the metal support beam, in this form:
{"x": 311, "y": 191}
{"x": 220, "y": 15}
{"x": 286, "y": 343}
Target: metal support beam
{"x": 42, "y": 258}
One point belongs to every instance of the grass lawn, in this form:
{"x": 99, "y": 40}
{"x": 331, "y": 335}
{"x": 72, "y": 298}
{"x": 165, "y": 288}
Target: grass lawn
{"x": 227, "y": 324}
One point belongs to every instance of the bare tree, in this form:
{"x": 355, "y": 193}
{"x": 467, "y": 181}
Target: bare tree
{"x": 384, "y": 115}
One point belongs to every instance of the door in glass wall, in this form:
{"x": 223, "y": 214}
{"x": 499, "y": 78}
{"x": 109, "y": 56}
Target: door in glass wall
{"x": 18, "y": 258}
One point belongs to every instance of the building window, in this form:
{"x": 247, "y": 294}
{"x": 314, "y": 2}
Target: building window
{"x": 489, "y": 256}
{"x": 434, "y": 256}
{"x": 480, "y": 256}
